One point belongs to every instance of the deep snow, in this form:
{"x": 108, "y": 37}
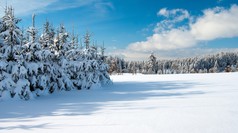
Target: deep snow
{"x": 183, "y": 103}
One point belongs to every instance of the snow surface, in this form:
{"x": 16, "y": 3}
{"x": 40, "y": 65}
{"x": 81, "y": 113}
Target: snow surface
{"x": 184, "y": 103}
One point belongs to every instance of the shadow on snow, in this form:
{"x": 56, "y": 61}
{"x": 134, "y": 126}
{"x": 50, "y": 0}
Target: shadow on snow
{"x": 87, "y": 102}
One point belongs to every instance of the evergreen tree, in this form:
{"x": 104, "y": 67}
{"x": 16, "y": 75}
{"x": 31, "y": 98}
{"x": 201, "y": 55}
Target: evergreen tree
{"x": 216, "y": 67}
{"x": 9, "y": 53}
{"x": 102, "y": 52}
{"x": 87, "y": 40}
{"x": 11, "y": 34}
{"x": 47, "y": 37}
{"x": 61, "y": 46}
{"x": 74, "y": 40}
{"x": 152, "y": 65}
{"x": 237, "y": 66}
{"x": 36, "y": 63}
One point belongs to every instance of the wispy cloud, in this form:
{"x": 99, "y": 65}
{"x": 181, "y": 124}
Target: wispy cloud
{"x": 103, "y": 7}
{"x": 219, "y": 1}
{"x": 169, "y": 34}
{"x": 26, "y": 7}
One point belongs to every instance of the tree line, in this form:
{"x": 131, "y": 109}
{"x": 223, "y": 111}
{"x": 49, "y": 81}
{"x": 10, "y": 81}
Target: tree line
{"x": 214, "y": 63}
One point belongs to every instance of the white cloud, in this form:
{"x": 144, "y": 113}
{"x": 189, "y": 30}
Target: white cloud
{"x": 216, "y": 23}
{"x": 176, "y": 14}
{"x": 166, "y": 36}
{"x": 172, "y": 17}
{"x": 175, "y": 38}
{"x": 213, "y": 24}
{"x": 163, "y": 12}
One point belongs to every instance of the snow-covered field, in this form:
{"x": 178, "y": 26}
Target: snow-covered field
{"x": 185, "y": 103}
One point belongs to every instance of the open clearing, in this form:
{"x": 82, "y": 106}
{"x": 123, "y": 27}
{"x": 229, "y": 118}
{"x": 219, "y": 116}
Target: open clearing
{"x": 183, "y": 103}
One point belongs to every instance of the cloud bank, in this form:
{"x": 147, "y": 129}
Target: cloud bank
{"x": 181, "y": 30}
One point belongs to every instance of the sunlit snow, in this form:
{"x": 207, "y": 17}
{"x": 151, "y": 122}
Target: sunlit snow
{"x": 183, "y": 103}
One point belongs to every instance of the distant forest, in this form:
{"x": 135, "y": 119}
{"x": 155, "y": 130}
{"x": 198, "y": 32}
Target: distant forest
{"x": 214, "y": 63}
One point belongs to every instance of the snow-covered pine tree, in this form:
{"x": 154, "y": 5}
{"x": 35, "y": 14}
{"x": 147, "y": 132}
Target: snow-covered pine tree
{"x": 237, "y": 66}
{"x": 152, "y": 64}
{"x": 36, "y": 62}
{"x": 24, "y": 37}
{"x": 87, "y": 40}
{"x": 96, "y": 69}
{"x": 102, "y": 52}
{"x": 23, "y": 85}
{"x": 60, "y": 62}
{"x": 5, "y": 78}
{"x": 1, "y": 30}
{"x": 9, "y": 53}
{"x": 49, "y": 61}
{"x": 119, "y": 66}
{"x": 113, "y": 65}
{"x": 47, "y": 37}
{"x": 7, "y": 85}
{"x": 74, "y": 40}
{"x": 86, "y": 67}
{"x": 10, "y": 34}
{"x": 216, "y": 67}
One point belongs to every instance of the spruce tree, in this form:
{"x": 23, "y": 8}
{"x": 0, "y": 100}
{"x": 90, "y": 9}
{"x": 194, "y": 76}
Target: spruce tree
{"x": 10, "y": 34}
{"x": 47, "y": 37}
{"x": 152, "y": 64}
{"x": 10, "y": 53}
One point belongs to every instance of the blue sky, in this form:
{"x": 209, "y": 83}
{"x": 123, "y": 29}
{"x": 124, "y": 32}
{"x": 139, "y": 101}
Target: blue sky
{"x": 135, "y": 28}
